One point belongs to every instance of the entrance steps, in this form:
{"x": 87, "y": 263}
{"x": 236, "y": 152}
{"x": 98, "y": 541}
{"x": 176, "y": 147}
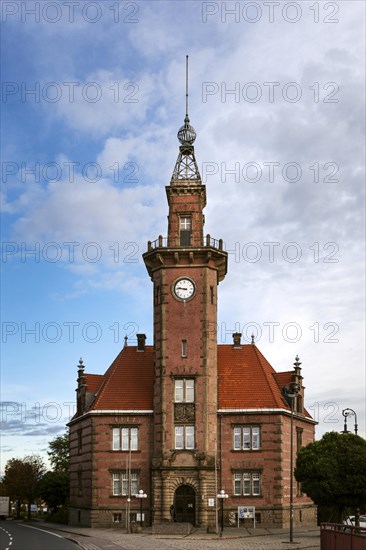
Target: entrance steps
{"x": 172, "y": 528}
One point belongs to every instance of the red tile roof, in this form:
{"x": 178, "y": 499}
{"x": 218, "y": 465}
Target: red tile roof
{"x": 245, "y": 380}
{"x": 128, "y": 383}
{"x": 93, "y": 381}
{"x": 283, "y": 378}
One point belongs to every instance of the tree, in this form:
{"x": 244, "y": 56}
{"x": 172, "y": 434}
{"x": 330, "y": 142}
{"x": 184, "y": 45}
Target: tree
{"x": 59, "y": 453}
{"x": 22, "y": 477}
{"x": 54, "y": 489}
{"x": 332, "y": 472}
{"x": 54, "y": 486}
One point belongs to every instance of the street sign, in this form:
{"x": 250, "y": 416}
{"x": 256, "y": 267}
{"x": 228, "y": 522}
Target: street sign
{"x": 246, "y": 512}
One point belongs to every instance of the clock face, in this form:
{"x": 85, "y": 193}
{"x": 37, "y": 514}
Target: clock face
{"x": 184, "y": 289}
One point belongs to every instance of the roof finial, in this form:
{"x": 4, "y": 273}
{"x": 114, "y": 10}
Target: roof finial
{"x": 297, "y": 361}
{"x": 187, "y": 134}
{"x": 187, "y": 88}
{"x": 252, "y": 337}
{"x": 126, "y": 338}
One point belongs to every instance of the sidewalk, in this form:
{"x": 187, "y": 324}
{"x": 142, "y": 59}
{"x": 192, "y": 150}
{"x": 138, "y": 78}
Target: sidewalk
{"x": 232, "y": 539}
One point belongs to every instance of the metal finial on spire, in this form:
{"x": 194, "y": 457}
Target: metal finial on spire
{"x": 81, "y": 363}
{"x": 187, "y": 87}
{"x": 126, "y": 339}
{"x": 297, "y": 361}
{"x": 253, "y": 341}
{"x": 187, "y": 134}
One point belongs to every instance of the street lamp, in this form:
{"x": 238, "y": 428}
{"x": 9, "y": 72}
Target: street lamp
{"x": 346, "y": 413}
{"x": 222, "y": 495}
{"x": 292, "y": 391}
{"x": 141, "y": 495}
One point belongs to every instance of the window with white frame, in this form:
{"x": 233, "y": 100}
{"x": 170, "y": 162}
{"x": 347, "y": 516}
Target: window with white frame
{"x": 184, "y": 437}
{"x": 125, "y": 439}
{"x": 247, "y": 483}
{"x": 185, "y": 230}
{"x": 246, "y": 438}
{"x": 124, "y": 484}
{"x": 184, "y": 390}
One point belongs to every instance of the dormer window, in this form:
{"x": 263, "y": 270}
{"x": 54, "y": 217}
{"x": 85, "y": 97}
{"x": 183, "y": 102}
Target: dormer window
{"x": 185, "y": 230}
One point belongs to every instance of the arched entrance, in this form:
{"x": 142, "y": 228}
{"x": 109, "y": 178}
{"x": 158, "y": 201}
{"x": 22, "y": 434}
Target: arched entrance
{"x": 185, "y": 504}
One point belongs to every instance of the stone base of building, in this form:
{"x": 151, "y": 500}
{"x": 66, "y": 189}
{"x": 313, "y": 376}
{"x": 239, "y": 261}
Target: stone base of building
{"x": 106, "y": 517}
{"x": 305, "y": 515}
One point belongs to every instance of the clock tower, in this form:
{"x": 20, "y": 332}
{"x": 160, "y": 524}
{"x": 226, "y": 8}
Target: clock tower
{"x": 185, "y": 268}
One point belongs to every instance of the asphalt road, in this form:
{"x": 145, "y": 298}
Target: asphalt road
{"x": 18, "y": 536}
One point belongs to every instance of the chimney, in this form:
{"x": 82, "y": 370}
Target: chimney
{"x": 237, "y": 340}
{"x": 141, "y": 339}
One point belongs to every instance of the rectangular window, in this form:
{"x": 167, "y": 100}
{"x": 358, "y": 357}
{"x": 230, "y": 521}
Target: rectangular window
{"x": 212, "y": 294}
{"x": 124, "y": 485}
{"x": 237, "y": 438}
{"x": 179, "y": 437}
{"x": 125, "y": 439}
{"x": 184, "y": 348}
{"x": 246, "y": 438}
{"x": 247, "y": 483}
{"x": 255, "y": 437}
{"x": 189, "y": 443}
{"x": 256, "y": 477}
{"x": 117, "y": 518}
{"x": 184, "y": 437}
{"x": 116, "y": 439}
{"x": 185, "y": 230}
{"x": 237, "y": 484}
{"x": 184, "y": 391}
{"x": 116, "y": 484}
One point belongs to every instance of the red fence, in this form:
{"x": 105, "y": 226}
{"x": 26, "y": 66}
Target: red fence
{"x": 336, "y": 536}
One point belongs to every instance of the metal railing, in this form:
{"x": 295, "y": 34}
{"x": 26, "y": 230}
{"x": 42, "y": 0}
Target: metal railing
{"x": 338, "y": 536}
{"x": 163, "y": 242}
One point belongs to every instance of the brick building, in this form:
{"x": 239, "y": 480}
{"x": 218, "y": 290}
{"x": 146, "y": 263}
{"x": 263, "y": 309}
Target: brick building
{"x": 186, "y": 417}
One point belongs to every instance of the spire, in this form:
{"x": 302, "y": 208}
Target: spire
{"x": 186, "y": 166}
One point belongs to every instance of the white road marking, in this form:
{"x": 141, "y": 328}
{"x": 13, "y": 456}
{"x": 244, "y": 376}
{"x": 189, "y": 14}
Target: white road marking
{"x": 43, "y": 530}
{"x": 10, "y": 537}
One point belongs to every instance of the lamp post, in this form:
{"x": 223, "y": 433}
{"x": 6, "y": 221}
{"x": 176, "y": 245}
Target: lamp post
{"x": 291, "y": 391}
{"x": 346, "y": 413}
{"x": 222, "y": 496}
{"x": 141, "y": 495}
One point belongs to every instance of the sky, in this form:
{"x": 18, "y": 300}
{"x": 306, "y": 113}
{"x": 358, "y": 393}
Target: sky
{"x": 93, "y": 94}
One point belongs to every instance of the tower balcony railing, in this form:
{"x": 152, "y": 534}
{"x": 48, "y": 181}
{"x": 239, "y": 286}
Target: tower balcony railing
{"x": 164, "y": 242}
